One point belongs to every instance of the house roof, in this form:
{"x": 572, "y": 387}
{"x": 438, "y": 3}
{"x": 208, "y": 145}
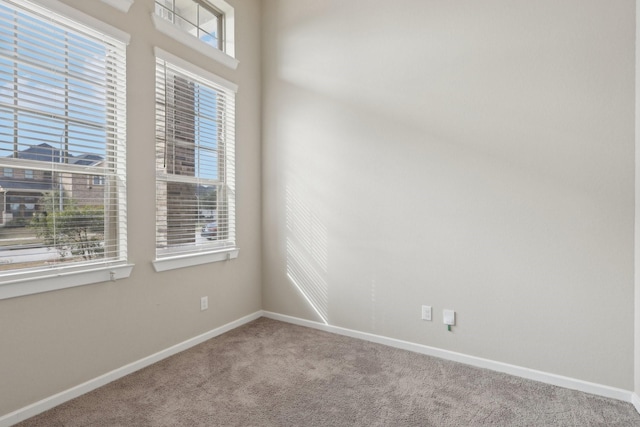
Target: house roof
{"x": 42, "y": 152}
{"x": 46, "y": 153}
{"x": 86, "y": 160}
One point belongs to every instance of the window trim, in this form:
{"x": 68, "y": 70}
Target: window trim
{"x": 74, "y": 15}
{"x": 209, "y": 255}
{"x": 186, "y": 65}
{"x": 121, "y": 5}
{"x": 220, "y": 27}
{"x": 190, "y": 260}
{"x": 62, "y": 278}
{"x": 227, "y": 57}
{"x": 18, "y": 283}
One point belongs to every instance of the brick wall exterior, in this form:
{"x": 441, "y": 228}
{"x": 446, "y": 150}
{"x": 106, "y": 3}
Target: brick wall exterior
{"x": 180, "y": 160}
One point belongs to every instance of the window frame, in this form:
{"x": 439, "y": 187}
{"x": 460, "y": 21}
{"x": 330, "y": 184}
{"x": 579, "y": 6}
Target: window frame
{"x": 15, "y": 283}
{"x": 225, "y": 56}
{"x": 122, "y": 5}
{"x": 208, "y": 254}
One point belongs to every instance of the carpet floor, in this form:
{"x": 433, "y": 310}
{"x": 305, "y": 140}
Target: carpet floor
{"x": 269, "y": 373}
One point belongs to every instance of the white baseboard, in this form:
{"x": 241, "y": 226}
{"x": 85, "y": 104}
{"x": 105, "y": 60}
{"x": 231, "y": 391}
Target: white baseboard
{"x": 64, "y": 396}
{"x": 553, "y": 379}
{"x": 558, "y": 380}
{"x": 635, "y": 400}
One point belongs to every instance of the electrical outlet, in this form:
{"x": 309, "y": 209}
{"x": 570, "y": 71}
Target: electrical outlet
{"x": 449, "y": 317}
{"x": 426, "y": 312}
{"x": 204, "y": 303}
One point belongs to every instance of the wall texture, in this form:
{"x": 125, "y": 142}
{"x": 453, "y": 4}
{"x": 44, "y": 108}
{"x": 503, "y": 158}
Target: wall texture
{"x": 53, "y": 341}
{"x": 476, "y": 156}
{"x": 637, "y": 210}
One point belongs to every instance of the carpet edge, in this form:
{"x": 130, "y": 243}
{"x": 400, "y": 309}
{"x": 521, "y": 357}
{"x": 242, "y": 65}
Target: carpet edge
{"x": 518, "y": 371}
{"x": 92, "y": 384}
{"x": 635, "y": 400}
{"x": 544, "y": 377}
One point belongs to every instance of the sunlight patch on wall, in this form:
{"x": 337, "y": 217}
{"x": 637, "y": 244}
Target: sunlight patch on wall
{"x": 307, "y": 253}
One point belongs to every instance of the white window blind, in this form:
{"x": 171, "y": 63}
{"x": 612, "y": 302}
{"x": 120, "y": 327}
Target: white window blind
{"x": 195, "y": 163}
{"x": 62, "y": 129}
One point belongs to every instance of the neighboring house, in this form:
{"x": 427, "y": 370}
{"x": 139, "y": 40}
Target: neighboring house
{"x": 87, "y": 189}
{"x": 22, "y": 189}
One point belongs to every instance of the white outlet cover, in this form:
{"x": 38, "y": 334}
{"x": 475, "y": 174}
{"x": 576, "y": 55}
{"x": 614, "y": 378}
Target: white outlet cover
{"x": 426, "y": 312}
{"x": 449, "y": 317}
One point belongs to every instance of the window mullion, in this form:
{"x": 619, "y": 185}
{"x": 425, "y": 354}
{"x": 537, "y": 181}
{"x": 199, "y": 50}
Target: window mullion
{"x": 197, "y": 24}
{"x": 173, "y": 11}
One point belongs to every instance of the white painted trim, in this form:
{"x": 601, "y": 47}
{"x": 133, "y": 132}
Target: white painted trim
{"x": 121, "y": 5}
{"x": 64, "y": 396}
{"x": 28, "y": 284}
{"x": 194, "y": 69}
{"x": 174, "y": 32}
{"x": 74, "y": 16}
{"x": 189, "y": 260}
{"x": 518, "y": 371}
{"x": 635, "y": 400}
{"x": 229, "y": 26}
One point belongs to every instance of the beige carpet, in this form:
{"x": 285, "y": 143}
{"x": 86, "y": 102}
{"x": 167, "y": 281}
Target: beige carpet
{"x": 269, "y": 373}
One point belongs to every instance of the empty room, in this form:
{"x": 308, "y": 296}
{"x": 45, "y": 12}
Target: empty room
{"x": 319, "y": 213}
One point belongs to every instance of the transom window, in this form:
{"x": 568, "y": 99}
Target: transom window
{"x": 199, "y": 18}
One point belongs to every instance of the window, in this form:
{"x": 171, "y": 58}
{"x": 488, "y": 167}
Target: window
{"x": 198, "y": 18}
{"x": 8, "y": 172}
{"x": 98, "y": 180}
{"x": 62, "y": 118}
{"x": 195, "y": 164}
{"x": 205, "y": 25}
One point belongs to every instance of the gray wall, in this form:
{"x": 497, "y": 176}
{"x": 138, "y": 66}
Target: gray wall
{"x": 470, "y": 155}
{"x": 53, "y": 341}
{"x": 637, "y": 206}
{"x": 477, "y": 156}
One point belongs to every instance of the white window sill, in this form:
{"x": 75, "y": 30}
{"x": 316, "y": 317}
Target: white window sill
{"x": 121, "y": 5}
{"x": 189, "y": 260}
{"x": 61, "y": 279}
{"x": 172, "y": 31}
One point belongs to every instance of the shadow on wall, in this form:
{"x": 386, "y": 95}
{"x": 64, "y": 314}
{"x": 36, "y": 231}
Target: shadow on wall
{"x": 307, "y": 253}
